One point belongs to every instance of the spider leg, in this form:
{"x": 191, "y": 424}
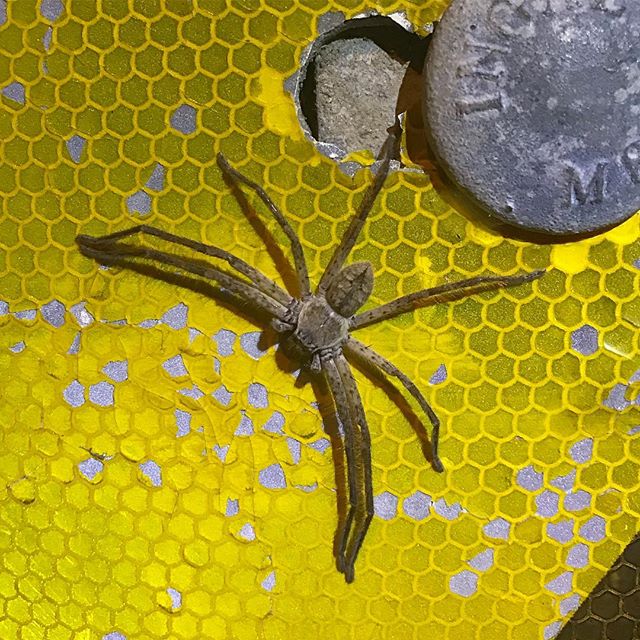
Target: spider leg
{"x": 341, "y": 402}
{"x": 362, "y": 517}
{"x": 114, "y": 253}
{"x": 442, "y": 293}
{"x": 389, "y": 151}
{"x": 296, "y": 246}
{"x": 367, "y": 354}
{"x": 266, "y": 285}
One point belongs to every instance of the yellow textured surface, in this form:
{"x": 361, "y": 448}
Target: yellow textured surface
{"x": 135, "y": 504}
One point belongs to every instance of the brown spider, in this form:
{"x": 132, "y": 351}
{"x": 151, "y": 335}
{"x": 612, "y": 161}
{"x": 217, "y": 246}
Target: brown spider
{"x": 316, "y": 326}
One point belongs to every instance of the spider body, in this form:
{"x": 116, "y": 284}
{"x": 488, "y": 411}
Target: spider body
{"x": 314, "y": 331}
{"x": 316, "y": 326}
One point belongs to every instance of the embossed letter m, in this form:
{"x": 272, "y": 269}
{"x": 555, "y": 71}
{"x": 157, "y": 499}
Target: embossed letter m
{"x": 593, "y": 193}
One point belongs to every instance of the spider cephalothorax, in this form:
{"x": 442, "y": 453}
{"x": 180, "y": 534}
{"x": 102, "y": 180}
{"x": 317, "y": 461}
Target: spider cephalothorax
{"x": 317, "y": 326}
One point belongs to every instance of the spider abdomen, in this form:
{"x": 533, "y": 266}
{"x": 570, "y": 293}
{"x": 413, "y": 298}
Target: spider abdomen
{"x": 351, "y": 288}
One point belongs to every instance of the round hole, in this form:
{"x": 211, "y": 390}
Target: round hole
{"x": 352, "y": 85}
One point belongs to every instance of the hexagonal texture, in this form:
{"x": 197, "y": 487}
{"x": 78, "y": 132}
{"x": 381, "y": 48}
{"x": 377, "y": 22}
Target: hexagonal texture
{"x": 612, "y": 609}
{"x": 161, "y": 474}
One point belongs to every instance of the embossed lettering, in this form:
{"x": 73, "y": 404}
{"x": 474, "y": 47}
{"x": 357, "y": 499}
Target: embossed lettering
{"x": 511, "y": 20}
{"x": 480, "y": 73}
{"x": 593, "y": 193}
{"x": 478, "y": 105}
{"x": 481, "y": 61}
{"x": 474, "y": 43}
{"x": 631, "y": 161}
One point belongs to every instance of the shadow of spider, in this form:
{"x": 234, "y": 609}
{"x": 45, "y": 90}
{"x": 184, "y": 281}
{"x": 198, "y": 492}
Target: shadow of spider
{"x": 314, "y": 328}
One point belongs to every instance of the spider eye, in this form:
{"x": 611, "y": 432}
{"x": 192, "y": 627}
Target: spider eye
{"x": 350, "y": 289}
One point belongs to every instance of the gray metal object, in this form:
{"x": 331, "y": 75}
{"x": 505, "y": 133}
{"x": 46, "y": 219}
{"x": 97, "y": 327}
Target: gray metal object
{"x": 533, "y": 109}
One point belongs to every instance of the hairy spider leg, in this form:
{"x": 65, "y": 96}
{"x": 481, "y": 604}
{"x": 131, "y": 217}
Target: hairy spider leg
{"x": 389, "y": 152}
{"x": 353, "y": 452}
{"x": 366, "y": 354}
{"x": 353, "y": 419}
{"x": 442, "y": 293}
{"x": 362, "y": 517}
{"x": 266, "y": 285}
{"x": 248, "y": 292}
{"x": 302, "y": 271}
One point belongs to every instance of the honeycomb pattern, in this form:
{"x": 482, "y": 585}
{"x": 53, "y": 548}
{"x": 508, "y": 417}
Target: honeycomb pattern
{"x": 161, "y": 476}
{"x": 611, "y": 610}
